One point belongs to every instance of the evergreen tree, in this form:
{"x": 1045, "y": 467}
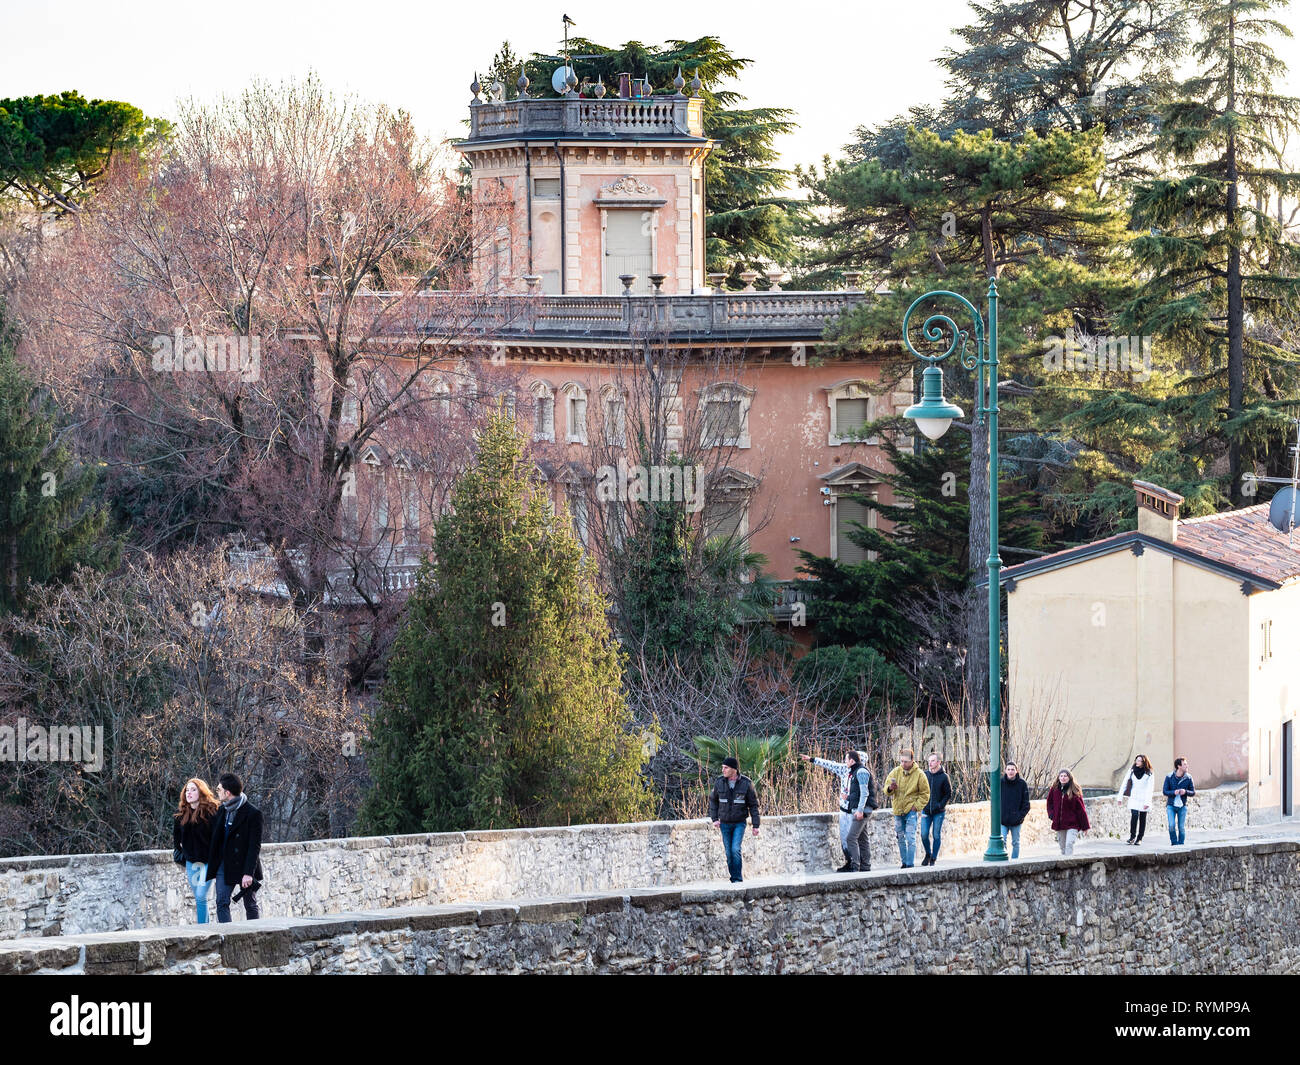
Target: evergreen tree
{"x": 503, "y": 706}
{"x": 49, "y": 521}
{"x": 1025, "y": 65}
{"x": 926, "y": 550}
{"x": 750, "y": 218}
{"x": 54, "y": 149}
{"x": 1214, "y": 260}
{"x": 958, "y": 211}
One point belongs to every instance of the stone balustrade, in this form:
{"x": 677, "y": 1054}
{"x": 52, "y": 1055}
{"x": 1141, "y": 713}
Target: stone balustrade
{"x": 531, "y": 118}
{"x": 728, "y": 317}
{"x": 90, "y": 893}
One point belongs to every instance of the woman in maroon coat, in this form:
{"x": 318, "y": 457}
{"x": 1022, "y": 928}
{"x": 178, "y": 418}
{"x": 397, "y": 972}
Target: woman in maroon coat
{"x": 1065, "y": 808}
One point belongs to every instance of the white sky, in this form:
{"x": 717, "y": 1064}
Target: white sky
{"x": 838, "y": 65}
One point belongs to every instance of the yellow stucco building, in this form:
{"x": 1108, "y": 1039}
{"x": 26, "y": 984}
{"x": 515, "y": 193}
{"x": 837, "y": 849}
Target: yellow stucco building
{"x": 1181, "y": 638}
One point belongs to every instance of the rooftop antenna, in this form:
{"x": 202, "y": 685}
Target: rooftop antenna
{"x": 1282, "y": 509}
{"x": 567, "y": 23}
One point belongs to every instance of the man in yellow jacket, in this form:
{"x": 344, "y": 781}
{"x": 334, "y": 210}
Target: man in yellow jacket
{"x": 909, "y": 790}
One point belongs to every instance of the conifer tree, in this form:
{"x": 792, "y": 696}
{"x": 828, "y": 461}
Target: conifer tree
{"x": 49, "y": 521}
{"x": 927, "y": 548}
{"x": 958, "y": 211}
{"x": 503, "y": 706}
{"x": 1215, "y": 258}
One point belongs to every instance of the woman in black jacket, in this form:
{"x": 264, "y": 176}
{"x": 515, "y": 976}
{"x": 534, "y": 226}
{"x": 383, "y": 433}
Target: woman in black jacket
{"x": 192, "y": 839}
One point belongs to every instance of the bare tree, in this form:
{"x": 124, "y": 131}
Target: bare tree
{"x": 238, "y": 321}
{"x": 188, "y": 672}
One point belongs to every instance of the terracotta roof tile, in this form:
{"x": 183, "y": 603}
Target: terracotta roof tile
{"x": 1243, "y": 539}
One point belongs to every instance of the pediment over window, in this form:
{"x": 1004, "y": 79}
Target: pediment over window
{"x": 571, "y": 473}
{"x": 375, "y": 455}
{"x": 851, "y": 473}
{"x": 730, "y": 479}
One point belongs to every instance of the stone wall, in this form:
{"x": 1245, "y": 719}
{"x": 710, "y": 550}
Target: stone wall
{"x": 86, "y": 893}
{"x": 1113, "y": 914}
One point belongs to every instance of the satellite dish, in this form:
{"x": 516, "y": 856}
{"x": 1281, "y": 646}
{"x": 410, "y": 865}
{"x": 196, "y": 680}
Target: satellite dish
{"x": 1282, "y": 511}
{"x": 560, "y": 79}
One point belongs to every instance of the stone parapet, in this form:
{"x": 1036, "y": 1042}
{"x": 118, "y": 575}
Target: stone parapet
{"x": 1113, "y": 914}
{"x": 90, "y": 893}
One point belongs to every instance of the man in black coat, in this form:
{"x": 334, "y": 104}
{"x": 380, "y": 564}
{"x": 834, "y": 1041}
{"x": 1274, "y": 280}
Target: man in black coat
{"x": 1015, "y": 805}
{"x": 234, "y": 860}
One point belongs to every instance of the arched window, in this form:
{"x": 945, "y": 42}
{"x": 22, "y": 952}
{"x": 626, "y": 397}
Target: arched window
{"x": 543, "y": 411}
{"x": 614, "y": 410}
{"x": 851, "y": 407}
{"x": 724, "y": 415}
{"x": 575, "y": 413}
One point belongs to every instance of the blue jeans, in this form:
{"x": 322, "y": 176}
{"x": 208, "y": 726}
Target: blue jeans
{"x": 732, "y": 837}
{"x": 905, "y": 830}
{"x": 1177, "y": 817}
{"x": 224, "y": 891}
{"x": 196, "y": 873}
{"x": 932, "y": 833}
{"x": 1014, "y": 832}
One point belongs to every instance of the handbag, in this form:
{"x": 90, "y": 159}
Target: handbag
{"x": 1128, "y": 786}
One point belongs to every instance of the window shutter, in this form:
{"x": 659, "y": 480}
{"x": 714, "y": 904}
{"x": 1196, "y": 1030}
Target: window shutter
{"x": 847, "y": 511}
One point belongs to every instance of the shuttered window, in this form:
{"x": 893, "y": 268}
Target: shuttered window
{"x": 850, "y": 415}
{"x": 721, "y": 421}
{"x": 848, "y": 511}
{"x": 723, "y": 519}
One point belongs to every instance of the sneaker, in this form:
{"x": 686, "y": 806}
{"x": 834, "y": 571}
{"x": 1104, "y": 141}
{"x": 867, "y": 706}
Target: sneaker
{"x": 1129, "y": 841}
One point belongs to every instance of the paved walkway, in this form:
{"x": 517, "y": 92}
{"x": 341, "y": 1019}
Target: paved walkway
{"x": 883, "y": 864}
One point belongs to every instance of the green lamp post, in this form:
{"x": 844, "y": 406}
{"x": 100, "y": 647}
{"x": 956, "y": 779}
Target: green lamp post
{"x": 933, "y": 415}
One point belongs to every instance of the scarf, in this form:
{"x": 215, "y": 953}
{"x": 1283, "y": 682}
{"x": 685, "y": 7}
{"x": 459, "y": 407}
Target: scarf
{"x": 231, "y": 805}
{"x": 1139, "y": 772}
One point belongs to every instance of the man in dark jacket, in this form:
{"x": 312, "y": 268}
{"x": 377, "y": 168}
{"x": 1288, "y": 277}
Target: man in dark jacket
{"x": 1015, "y": 805}
{"x": 730, "y": 801}
{"x": 933, "y": 814}
{"x": 1178, "y": 789}
{"x": 234, "y": 860}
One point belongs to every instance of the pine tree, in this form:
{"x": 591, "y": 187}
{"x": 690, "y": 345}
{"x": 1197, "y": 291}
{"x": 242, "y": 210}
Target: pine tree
{"x": 1214, "y": 260}
{"x": 503, "y": 705}
{"x": 926, "y": 550}
{"x": 958, "y": 211}
{"x": 49, "y": 521}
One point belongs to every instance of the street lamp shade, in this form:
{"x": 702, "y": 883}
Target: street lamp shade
{"x": 933, "y": 414}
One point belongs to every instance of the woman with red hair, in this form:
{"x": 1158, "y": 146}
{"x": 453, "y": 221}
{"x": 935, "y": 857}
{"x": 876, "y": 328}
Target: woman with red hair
{"x": 192, "y": 839}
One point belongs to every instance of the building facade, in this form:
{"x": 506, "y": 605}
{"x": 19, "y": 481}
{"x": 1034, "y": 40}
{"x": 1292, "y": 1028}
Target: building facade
{"x": 1176, "y": 640}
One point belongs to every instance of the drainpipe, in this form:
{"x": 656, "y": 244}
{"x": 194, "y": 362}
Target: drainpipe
{"x": 528, "y": 179}
{"x": 564, "y": 250}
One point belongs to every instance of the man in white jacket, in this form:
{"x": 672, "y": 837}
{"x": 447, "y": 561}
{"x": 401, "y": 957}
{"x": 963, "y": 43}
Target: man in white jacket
{"x": 1139, "y": 787}
{"x": 854, "y": 808}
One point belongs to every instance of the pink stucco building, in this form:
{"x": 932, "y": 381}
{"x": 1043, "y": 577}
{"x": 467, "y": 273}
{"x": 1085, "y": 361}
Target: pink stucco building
{"x": 591, "y": 268}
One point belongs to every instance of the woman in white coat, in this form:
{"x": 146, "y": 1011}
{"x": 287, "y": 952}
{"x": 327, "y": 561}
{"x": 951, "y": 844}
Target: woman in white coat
{"x": 1138, "y": 788}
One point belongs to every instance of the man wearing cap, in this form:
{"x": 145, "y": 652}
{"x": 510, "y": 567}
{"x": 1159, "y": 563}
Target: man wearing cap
{"x": 730, "y": 801}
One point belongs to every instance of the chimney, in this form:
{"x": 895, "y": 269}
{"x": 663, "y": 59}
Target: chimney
{"x": 1157, "y": 511}
{"x": 625, "y": 86}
